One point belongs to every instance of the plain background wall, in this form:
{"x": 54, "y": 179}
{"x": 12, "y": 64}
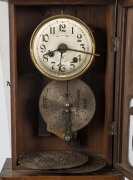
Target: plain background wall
{"x": 5, "y": 142}
{"x": 5, "y": 117}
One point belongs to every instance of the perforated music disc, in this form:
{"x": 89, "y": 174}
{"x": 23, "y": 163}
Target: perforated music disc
{"x": 53, "y": 160}
{"x": 54, "y": 98}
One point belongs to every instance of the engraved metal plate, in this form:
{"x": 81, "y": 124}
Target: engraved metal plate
{"x": 53, "y": 160}
{"x": 54, "y": 99}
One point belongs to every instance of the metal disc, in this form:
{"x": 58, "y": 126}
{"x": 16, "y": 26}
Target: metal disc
{"x": 56, "y": 95}
{"x": 94, "y": 163}
{"x": 53, "y": 160}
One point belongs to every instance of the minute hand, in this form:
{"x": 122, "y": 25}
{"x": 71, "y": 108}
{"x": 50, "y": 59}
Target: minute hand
{"x": 69, "y": 49}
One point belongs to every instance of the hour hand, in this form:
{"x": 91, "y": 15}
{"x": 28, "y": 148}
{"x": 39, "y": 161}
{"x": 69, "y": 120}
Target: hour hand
{"x": 50, "y": 53}
{"x": 62, "y": 48}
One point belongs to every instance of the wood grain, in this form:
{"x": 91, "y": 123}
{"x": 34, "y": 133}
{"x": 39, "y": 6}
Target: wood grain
{"x": 110, "y": 79}
{"x": 124, "y": 86}
{"x": 27, "y": 82}
{"x": 7, "y": 173}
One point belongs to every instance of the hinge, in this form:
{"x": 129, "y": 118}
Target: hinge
{"x": 112, "y": 128}
{"x": 114, "y": 44}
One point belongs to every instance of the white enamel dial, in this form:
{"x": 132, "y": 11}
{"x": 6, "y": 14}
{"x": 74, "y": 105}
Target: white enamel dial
{"x": 62, "y": 47}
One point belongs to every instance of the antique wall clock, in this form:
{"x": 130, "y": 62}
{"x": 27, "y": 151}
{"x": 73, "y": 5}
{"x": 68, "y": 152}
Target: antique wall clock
{"x": 71, "y": 89}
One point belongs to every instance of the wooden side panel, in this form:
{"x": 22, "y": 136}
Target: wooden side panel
{"x": 124, "y": 76}
{"x": 128, "y": 84}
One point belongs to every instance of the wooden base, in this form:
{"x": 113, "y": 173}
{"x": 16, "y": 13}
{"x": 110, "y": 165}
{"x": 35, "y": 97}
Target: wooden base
{"x": 7, "y": 173}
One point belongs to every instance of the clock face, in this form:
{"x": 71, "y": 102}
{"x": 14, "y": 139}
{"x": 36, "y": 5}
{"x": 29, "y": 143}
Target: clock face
{"x": 62, "y": 47}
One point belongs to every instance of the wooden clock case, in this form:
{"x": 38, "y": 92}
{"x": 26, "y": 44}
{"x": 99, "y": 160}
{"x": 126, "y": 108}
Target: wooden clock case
{"x": 110, "y": 78}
